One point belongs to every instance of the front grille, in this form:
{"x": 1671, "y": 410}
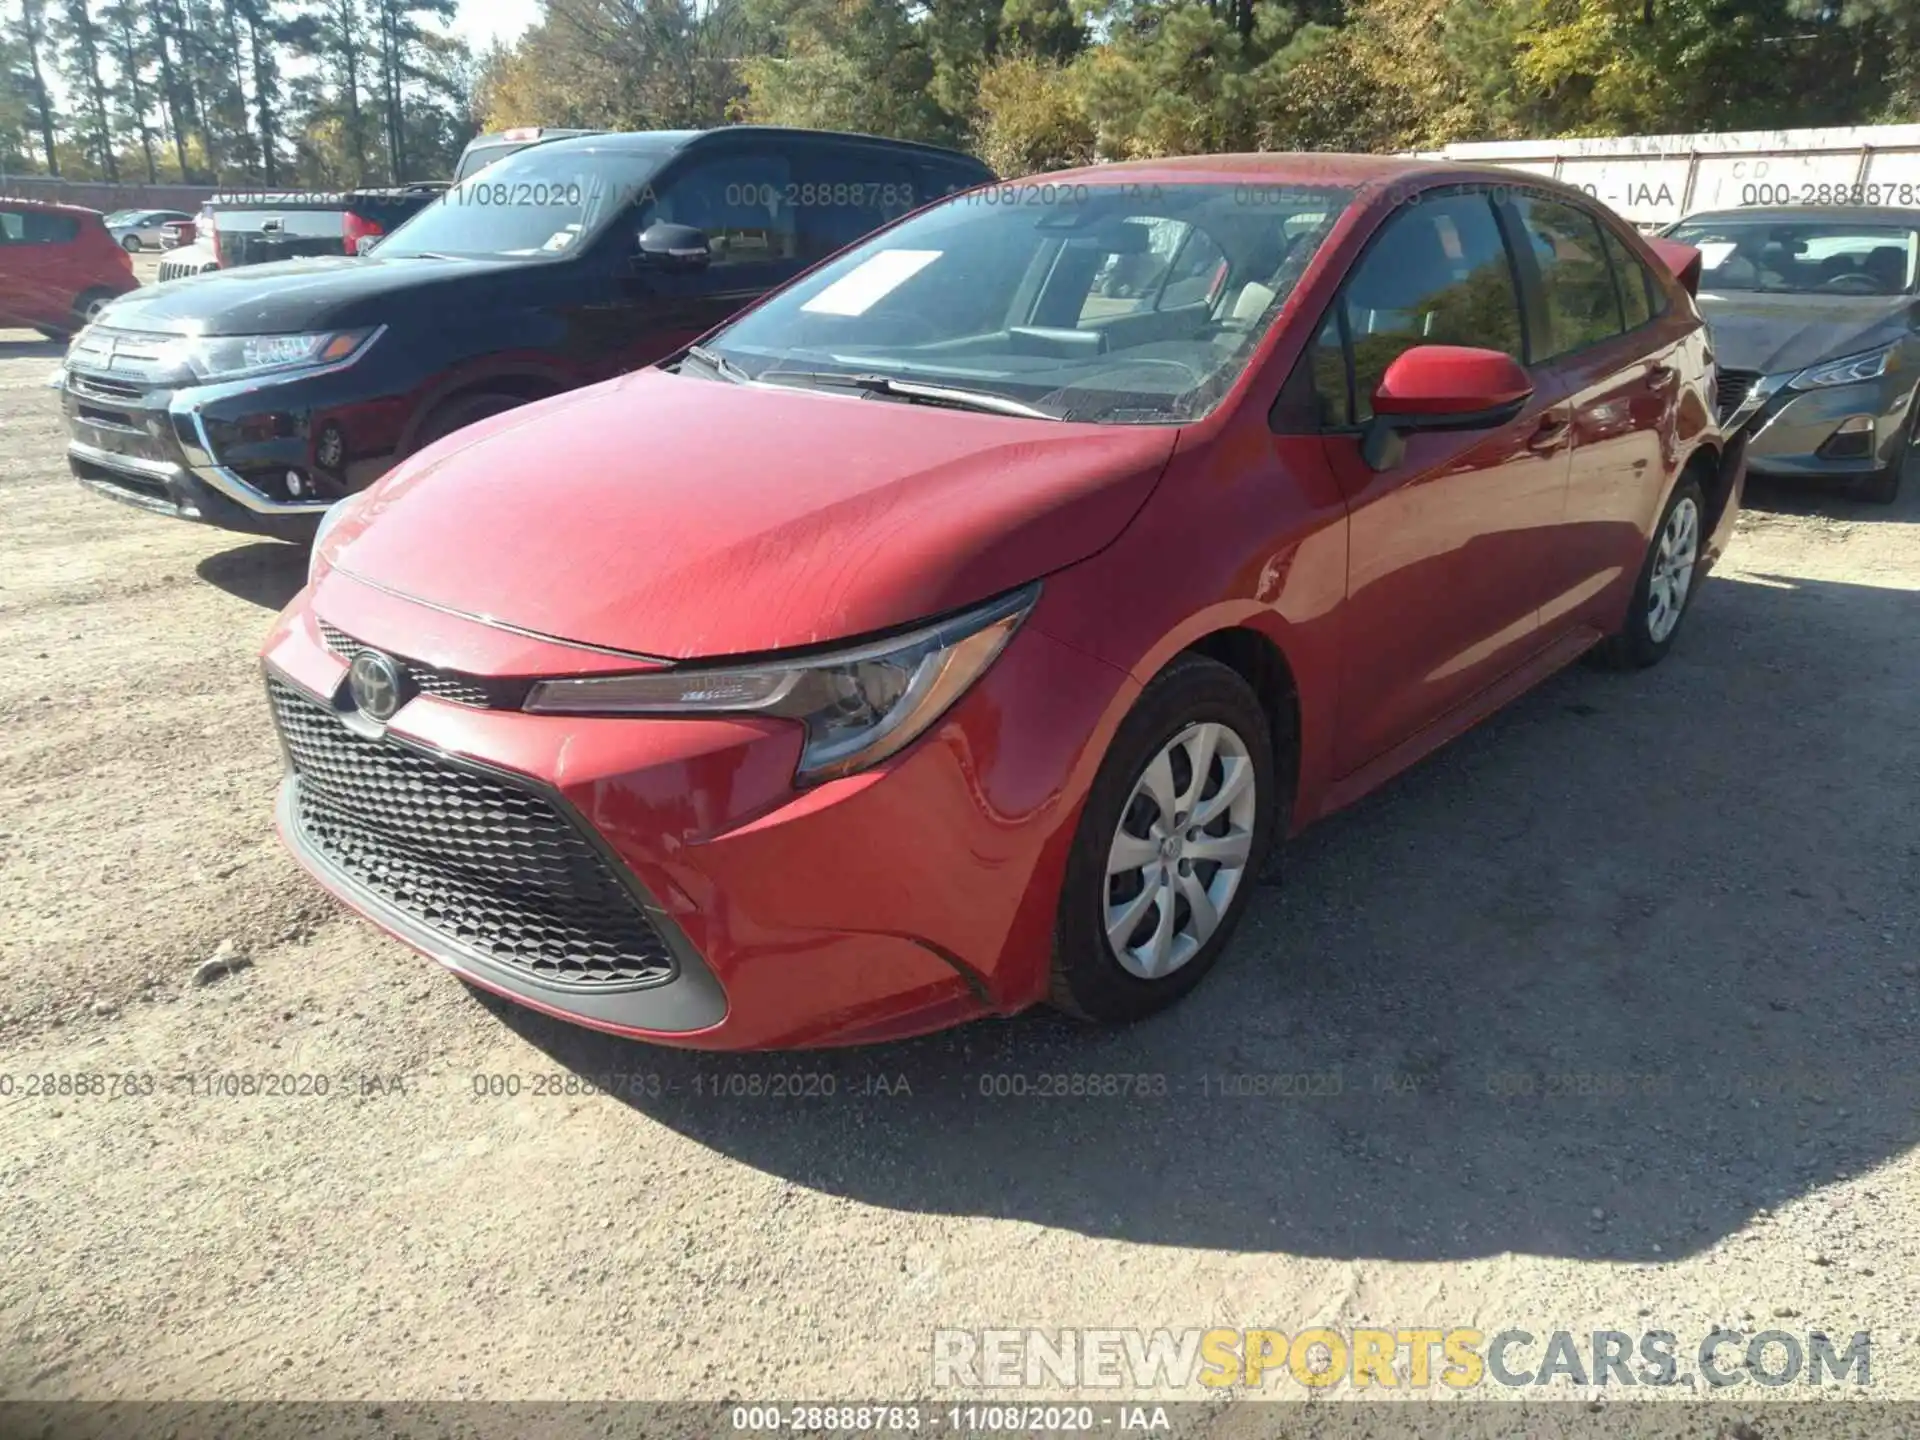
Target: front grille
{"x": 1733, "y": 388}
{"x": 94, "y": 387}
{"x": 443, "y": 684}
{"x": 490, "y": 865}
{"x": 177, "y": 269}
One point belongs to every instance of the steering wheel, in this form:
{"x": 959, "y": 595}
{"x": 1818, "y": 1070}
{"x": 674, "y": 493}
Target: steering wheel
{"x": 1853, "y": 282}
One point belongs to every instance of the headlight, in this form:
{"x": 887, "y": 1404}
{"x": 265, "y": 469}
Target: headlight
{"x": 1850, "y": 369}
{"x": 858, "y": 706}
{"x": 233, "y": 357}
{"x": 329, "y": 518}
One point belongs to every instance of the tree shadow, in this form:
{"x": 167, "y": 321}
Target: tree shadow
{"x": 268, "y": 573}
{"x": 1624, "y": 965}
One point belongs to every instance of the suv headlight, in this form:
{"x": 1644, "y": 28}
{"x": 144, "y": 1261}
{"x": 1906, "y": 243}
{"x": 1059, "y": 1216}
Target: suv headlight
{"x": 235, "y": 357}
{"x": 858, "y": 705}
{"x": 1850, "y": 369}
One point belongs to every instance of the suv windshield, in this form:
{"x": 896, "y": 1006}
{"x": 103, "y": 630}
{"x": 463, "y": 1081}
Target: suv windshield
{"x": 1123, "y": 303}
{"x": 1803, "y": 257}
{"x": 543, "y": 203}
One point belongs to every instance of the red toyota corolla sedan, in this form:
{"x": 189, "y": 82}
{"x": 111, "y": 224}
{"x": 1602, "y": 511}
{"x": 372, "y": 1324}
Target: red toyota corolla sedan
{"x": 958, "y": 629}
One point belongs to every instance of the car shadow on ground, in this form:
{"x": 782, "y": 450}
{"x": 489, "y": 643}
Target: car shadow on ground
{"x": 26, "y": 345}
{"x": 268, "y": 573}
{"x": 1623, "y": 966}
{"x": 1770, "y": 495}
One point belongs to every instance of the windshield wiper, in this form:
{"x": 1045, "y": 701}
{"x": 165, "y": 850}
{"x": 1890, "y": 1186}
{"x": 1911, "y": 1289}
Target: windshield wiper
{"x": 718, "y": 364}
{"x": 913, "y": 390}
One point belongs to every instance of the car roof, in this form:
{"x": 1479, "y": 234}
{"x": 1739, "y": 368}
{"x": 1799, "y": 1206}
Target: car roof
{"x": 654, "y": 141}
{"x": 51, "y": 207}
{"x": 1301, "y": 168}
{"x": 1844, "y": 214}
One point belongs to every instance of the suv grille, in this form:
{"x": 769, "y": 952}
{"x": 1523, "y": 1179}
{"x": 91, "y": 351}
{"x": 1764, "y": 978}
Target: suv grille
{"x": 444, "y": 684}
{"x": 1733, "y": 388}
{"x": 496, "y": 868}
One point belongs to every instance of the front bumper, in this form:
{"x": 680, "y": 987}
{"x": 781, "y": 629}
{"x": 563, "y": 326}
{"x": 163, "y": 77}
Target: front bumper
{"x": 223, "y": 454}
{"x": 1835, "y": 432}
{"x": 886, "y": 904}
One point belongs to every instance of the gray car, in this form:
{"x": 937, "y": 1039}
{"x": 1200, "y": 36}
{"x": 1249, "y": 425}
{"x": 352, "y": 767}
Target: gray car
{"x": 140, "y": 229}
{"x": 1815, "y": 318}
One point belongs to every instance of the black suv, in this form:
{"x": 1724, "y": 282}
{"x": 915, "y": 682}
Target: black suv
{"x": 254, "y": 398}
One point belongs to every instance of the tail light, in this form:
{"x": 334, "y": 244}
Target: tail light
{"x": 357, "y": 228}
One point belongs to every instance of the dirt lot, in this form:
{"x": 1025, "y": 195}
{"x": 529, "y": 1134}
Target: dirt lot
{"x": 1691, "y": 891}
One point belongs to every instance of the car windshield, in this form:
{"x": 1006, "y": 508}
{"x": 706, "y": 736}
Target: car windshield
{"x": 544, "y": 203}
{"x": 1803, "y": 257}
{"x": 118, "y": 217}
{"x": 1118, "y": 303}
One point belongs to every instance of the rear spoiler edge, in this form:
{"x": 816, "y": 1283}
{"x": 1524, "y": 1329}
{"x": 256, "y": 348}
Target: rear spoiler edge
{"x": 1681, "y": 258}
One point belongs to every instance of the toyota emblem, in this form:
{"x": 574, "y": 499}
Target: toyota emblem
{"x": 377, "y": 684}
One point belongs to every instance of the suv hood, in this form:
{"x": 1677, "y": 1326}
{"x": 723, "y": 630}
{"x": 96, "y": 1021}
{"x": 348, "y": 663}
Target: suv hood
{"x": 288, "y": 297}
{"x": 679, "y": 517}
{"x": 1775, "y": 334}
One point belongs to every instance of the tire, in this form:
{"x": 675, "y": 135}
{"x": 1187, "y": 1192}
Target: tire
{"x": 1192, "y": 698}
{"x": 1883, "y": 486}
{"x": 131, "y": 244}
{"x": 53, "y": 332}
{"x": 90, "y": 304}
{"x": 1649, "y": 632}
{"x": 460, "y": 412}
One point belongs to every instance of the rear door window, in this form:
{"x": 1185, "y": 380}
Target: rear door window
{"x": 37, "y": 227}
{"x": 1582, "y": 308}
{"x": 1638, "y": 289}
{"x": 841, "y": 194}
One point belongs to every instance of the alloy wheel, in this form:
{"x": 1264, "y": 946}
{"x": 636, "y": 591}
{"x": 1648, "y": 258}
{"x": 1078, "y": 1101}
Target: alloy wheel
{"x": 1180, "y": 851}
{"x": 1673, "y": 564}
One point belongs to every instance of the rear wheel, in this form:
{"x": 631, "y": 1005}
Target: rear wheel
{"x": 1666, "y": 583}
{"x": 1174, "y": 832}
{"x": 460, "y": 412}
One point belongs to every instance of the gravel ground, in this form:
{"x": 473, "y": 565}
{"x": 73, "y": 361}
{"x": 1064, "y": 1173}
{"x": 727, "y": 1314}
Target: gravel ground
{"x": 1621, "y": 993}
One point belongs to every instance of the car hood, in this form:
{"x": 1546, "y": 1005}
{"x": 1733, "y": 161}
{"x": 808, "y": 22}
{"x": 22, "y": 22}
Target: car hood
{"x": 678, "y": 517}
{"x": 1774, "y": 334}
{"x": 292, "y": 296}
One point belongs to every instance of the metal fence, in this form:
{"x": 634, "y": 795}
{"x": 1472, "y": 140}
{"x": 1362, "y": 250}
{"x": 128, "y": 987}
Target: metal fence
{"x": 104, "y": 197}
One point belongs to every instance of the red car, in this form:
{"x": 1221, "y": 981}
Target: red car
{"x": 946, "y": 635}
{"x": 58, "y": 267}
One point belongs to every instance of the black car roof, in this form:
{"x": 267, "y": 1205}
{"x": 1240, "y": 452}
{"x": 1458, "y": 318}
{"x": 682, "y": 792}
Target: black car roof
{"x": 678, "y": 140}
{"x": 1841, "y": 214}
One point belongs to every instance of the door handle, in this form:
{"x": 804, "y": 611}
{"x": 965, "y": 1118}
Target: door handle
{"x": 1549, "y": 434}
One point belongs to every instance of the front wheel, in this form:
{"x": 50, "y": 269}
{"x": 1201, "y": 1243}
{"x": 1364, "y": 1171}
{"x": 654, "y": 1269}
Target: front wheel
{"x": 1175, "y": 829}
{"x": 1666, "y": 583}
{"x": 130, "y": 244}
{"x": 1883, "y": 486}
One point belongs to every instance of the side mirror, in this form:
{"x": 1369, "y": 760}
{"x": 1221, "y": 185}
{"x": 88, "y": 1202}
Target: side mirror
{"x": 1442, "y": 387}
{"x": 678, "y": 246}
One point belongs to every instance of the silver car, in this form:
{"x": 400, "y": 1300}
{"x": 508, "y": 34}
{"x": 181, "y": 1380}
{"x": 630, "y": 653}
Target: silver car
{"x": 140, "y": 229}
{"x": 1815, "y": 318}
